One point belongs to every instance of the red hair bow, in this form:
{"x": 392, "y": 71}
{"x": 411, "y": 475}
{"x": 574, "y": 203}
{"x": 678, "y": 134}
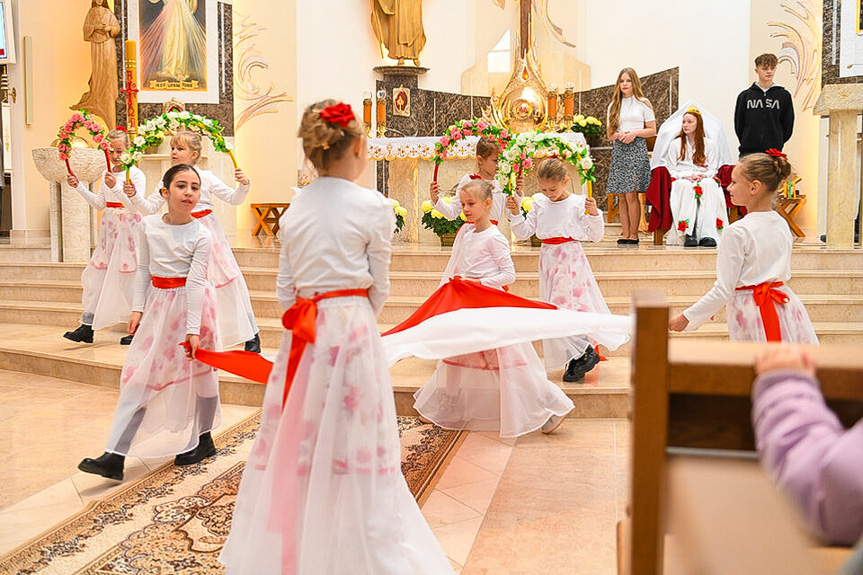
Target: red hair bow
{"x": 776, "y": 153}
{"x": 340, "y": 114}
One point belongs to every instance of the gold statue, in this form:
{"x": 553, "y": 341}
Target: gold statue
{"x": 100, "y": 29}
{"x": 398, "y": 25}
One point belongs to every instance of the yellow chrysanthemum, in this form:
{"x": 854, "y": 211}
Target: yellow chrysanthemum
{"x": 582, "y": 123}
{"x": 395, "y": 202}
{"x": 427, "y": 206}
{"x": 436, "y": 215}
{"x": 447, "y": 199}
{"x": 527, "y": 203}
{"x": 401, "y": 211}
{"x": 461, "y": 215}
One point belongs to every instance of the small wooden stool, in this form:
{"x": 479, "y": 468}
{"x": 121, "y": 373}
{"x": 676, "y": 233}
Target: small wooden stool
{"x": 788, "y": 208}
{"x": 268, "y": 217}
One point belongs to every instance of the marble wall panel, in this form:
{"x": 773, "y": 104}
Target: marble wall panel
{"x": 829, "y": 70}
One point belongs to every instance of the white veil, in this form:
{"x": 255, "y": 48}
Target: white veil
{"x": 713, "y": 130}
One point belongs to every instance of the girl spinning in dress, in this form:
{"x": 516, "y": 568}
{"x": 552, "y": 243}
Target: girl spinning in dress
{"x": 168, "y": 403}
{"x": 323, "y": 492}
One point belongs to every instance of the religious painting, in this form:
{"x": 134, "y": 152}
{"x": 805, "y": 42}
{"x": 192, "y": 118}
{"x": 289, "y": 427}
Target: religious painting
{"x": 851, "y": 39}
{"x": 401, "y": 101}
{"x": 178, "y": 42}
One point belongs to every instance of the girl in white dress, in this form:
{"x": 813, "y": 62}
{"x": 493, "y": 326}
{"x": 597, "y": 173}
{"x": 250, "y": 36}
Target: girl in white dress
{"x": 236, "y": 317}
{"x": 168, "y": 404}
{"x": 754, "y": 262}
{"x": 486, "y": 169}
{"x": 323, "y": 492}
{"x": 562, "y": 220}
{"x": 504, "y": 388}
{"x": 109, "y": 277}
{"x": 697, "y": 201}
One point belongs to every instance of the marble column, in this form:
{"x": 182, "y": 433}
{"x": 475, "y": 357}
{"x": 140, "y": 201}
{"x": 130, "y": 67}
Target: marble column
{"x": 402, "y": 186}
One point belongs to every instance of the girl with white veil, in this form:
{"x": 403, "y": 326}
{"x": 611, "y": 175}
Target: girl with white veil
{"x": 692, "y": 145}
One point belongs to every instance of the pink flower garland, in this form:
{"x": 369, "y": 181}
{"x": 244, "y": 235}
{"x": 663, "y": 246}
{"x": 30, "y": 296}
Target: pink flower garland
{"x": 463, "y": 129}
{"x": 80, "y": 119}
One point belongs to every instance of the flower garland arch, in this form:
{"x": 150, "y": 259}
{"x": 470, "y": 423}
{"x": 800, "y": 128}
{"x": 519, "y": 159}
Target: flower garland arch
{"x": 67, "y": 130}
{"x": 462, "y": 129}
{"x": 517, "y": 159}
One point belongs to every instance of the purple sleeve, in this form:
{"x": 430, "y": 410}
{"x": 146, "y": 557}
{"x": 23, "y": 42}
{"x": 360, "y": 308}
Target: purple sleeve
{"x": 808, "y": 452}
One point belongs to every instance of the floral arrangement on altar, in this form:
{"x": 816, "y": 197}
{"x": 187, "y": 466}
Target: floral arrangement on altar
{"x": 436, "y": 222}
{"x": 517, "y": 159}
{"x": 152, "y": 133}
{"x": 400, "y": 212}
{"x": 587, "y": 125}
{"x": 67, "y": 131}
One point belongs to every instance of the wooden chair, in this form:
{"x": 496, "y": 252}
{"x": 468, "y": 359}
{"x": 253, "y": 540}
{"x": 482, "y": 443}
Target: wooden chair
{"x": 694, "y": 395}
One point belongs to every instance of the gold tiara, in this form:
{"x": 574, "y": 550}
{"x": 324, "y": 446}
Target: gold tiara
{"x": 693, "y": 110}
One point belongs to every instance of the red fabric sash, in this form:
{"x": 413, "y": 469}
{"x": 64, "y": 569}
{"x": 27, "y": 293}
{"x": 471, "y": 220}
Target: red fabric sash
{"x": 201, "y": 214}
{"x": 300, "y": 319}
{"x": 765, "y": 296}
{"x": 494, "y": 222}
{"x": 555, "y": 241}
{"x": 168, "y": 283}
{"x": 114, "y": 205}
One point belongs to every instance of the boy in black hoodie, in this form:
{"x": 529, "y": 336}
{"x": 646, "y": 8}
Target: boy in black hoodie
{"x": 764, "y": 115}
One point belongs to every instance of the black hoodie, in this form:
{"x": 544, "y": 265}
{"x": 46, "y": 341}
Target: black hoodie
{"x": 763, "y": 120}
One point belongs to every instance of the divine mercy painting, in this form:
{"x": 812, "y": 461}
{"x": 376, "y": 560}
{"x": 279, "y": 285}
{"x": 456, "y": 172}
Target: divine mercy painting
{"x": 173, "y": 45}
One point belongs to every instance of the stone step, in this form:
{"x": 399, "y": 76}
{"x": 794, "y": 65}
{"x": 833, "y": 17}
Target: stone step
{"x": 18, "y": 254}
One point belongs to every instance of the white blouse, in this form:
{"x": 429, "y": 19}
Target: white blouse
{"x": 561, "y": 219}
{"x": 754, "y": 250}
{"x": 634, "y": 114}
{"x": 116, "y": 194}
{"x": 171, "y": 251}
{"x": 481, "y": 255}
{"x": 452, "y": 210}
{"x": 211, "y": 186}
{"x": 686, "y": 167}
{"x": 335, "y": 236}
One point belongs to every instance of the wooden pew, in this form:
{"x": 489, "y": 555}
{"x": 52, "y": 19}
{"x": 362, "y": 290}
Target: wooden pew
{"x": 691, "y": 403}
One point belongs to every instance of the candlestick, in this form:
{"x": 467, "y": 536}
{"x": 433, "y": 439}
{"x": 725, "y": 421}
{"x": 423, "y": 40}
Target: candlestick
{"x": 552, "y": 108}
{"x": 131, "y": 90}
{"x": 367, "y": 112}
{"x": 382, "y": 113}
{"x": 568, "y": 105}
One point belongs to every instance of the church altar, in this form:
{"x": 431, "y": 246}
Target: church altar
{"x": 410, "y": 171}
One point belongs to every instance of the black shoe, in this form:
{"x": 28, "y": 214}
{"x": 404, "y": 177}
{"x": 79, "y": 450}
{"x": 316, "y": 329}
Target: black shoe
{"x": 572, "y": 373}
{"x": 127, "y": 339}
{"x": 622, "y": 241}
{"x": 206, "y": 448}
{"x": 632, "y": 242}
{"x": 108, "y": 465}
{"x": 84, "y": 334}
{"x": 707, "y": 243}
{"x": 690, "y": 241}
{"x": 254, "y": 344}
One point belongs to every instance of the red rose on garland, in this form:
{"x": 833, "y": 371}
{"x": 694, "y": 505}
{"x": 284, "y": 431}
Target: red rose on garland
{"x": 682, "y": 225}
{"x": 340, "y": 114}
{"x": 698, "y": 191}
{"x": 719, "y": 224}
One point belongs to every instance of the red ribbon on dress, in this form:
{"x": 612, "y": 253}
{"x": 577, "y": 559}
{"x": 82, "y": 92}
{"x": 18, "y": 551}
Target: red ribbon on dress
{"x": 765, "y": 296}
{"x": 168, "y": 283}
{"x": 201, "y": 214}
{"x": 494, "y": 222}
{"x": 555, "y": 241}
{"x": 300, "y": 319}
{"x": 114, "y": 205}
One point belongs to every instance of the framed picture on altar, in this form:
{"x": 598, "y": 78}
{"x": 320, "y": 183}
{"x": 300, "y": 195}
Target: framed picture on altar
{"x": 401, "y": 101}
{"x": 178, "y": 43}
{"x": 7, "y": 33}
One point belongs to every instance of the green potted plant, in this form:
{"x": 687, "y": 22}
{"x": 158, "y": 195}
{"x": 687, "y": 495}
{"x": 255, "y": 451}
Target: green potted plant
{"x": 589, "y": 126}
{"x": 444, "y": 228}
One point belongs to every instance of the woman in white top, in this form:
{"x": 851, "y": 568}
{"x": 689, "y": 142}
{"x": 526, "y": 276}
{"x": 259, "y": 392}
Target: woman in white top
{"x": 630, "y": 121}
{"x": 753, "y": 263}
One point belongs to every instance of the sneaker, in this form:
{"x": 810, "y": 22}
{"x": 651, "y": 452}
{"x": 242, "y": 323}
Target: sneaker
{"x": 205, "y": 448}
{"x": 554, "y": 422}
{"x": 577, "y": 368}
{"x": 127, "y": 339}
{"x": 108, "y": 465}
{"x": 84, "y": 334}
{"x": 572, "y": 373}
{"x": 254, "y": 344}
{"x": 690, "y": 241}
{"x": 707, "y": 243}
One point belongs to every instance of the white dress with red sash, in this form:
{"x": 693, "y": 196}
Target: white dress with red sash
{"x": 323, "y": 492}
{"x": 755, "y": 251}
{"x": 453, "y": 209}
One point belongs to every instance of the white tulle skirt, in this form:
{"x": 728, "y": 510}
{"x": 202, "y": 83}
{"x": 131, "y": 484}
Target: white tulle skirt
{"x": 166, "y": 401}
{"x": 323, "y": 492}
{"x": 566, "y": 280}
{"x": 504, "y": 389}
{"x": 712, "y": 217}
{"x": 236, "y": 317}
{"x": 109, "y": 277}
{"x": 745, "y": 324}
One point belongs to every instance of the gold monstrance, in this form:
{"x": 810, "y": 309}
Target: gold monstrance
{"x": 521, "y": 106}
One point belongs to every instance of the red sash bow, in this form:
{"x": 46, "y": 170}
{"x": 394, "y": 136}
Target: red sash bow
{"x": 555, "y": 241}
{"x": 201, "y": 214}
{"x": 114, "y": 205}
{"x": 168, "y": 283}
{"x": 766, "y": 295}
{"x": 300, "y": 319}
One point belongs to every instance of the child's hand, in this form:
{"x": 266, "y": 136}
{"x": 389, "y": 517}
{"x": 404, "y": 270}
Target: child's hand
{"x": 590, "y": 206}
{"x": 678, "y": 323}
{"x": 434, "y": 192}
{"x": 129, "y": 188}
{"x": 519, "y": 185}
{"x": 72, "y": 180}
{"x": 134, "y": 322}
{"x": 512, "y": 205}
{"x": 241, "y": 177}
{"x": 784, "y": 357}
{"x": 192, "y": 349}
{"x": 110, "y": 179}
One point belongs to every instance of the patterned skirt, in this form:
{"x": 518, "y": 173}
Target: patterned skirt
{"x": 745, "y": 324}
{"x": 630, "y": 168}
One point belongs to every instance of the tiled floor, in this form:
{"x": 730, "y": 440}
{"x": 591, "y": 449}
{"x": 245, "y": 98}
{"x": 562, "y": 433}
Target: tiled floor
{"x": 539, "y": 504}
